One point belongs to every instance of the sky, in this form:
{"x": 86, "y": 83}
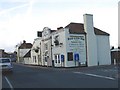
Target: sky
{"x": 21, "y": 19}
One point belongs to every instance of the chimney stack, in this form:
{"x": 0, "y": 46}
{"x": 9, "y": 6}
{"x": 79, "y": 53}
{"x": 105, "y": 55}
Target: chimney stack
{"x": 91, "y": 40}
{"x": 59, "y": 28}
{"x": 24, "y": 41}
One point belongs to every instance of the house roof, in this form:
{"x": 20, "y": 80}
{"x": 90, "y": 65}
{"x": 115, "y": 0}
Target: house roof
{"x": 53, "y": 31}
{"x": 25, "y": 46}
{"x": 100, "y": 32}
{"x": 28, "y": 54}
{"x": 78, "y": 28}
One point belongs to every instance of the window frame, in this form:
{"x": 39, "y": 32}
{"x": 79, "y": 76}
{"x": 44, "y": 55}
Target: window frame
{"x": 70, "y": 56}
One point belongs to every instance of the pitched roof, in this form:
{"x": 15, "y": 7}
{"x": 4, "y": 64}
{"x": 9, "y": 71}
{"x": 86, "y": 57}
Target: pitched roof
{"x": 100, "y": 32}
{"x": 28, "y": 54}
{"x": 25, "y": 46}
{"x": 53, "y": 31}
{"x": 78, "y": 28}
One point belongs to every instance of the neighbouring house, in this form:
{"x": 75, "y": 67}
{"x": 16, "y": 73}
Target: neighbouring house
{"x": 115, "y": 56}
{"x": 41, "y": 49}
{"x": 46, "y": 46}
{"x": 27, "y": 57}
{"x": 2, "y": 53}
{"x": 36, "y": 52}
{"x": 11, "y": 55}
{"x": 22, "y": 50}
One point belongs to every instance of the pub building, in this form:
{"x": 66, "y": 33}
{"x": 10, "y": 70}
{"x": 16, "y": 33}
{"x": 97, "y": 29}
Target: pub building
{"x": 76, "y": 44}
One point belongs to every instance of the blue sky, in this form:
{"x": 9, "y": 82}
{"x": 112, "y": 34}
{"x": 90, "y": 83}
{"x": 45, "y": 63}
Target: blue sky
{"x": 21, "y": 19}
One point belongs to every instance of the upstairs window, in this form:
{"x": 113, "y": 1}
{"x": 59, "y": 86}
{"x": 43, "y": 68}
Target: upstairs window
{"x": 56, "y": 40}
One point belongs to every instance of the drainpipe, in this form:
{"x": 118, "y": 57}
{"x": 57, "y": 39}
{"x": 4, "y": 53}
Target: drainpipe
{"x": 86, "y": 51}
{"x": 51, "y": 50}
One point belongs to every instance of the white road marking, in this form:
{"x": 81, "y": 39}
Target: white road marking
{"x": 94, "y": 75}
{"x": 9, "y": 83}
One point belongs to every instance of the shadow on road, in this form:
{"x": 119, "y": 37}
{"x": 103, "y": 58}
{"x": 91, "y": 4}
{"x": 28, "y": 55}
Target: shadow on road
{"x": 7, "y": 73}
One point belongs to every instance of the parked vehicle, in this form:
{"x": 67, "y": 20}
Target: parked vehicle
{"x": 5, "y": 64}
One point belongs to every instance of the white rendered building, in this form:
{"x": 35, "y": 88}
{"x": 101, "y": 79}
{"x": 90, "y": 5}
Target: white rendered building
{"x": 80, "y": 45}
{"x": 22, "y": 50}
{"x": 36, "y": 52}
{"x": 46, "y": 46}
{"x": 76, "y": 44}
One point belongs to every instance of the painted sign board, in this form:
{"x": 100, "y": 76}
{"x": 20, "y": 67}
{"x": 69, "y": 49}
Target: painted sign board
{"x": 76, "y": 57}
{"x": 77, "y": 45}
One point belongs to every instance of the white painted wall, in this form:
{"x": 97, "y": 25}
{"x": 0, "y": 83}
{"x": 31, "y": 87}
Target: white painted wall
{"x": 61, "y": 50}
{"x": 42, "y": 53}
{"x": 67, "y": 47}
{"x": 46, "y": 39}
{"x": 36, "y": 44}
{"x": 91, "y": 40}
{"x": 21, "y": 53}
{"x": 27, "y": 60}
{"x": 78, "y": 47}
{"x": 49, "y": 61}
{"x": 103, "y": 45}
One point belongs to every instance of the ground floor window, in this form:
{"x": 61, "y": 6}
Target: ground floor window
{"x": 70, "y": 56}
{"x": 45, "y": 59}
{"x": 34, "y": 59}
{"x": 57, "y": 58}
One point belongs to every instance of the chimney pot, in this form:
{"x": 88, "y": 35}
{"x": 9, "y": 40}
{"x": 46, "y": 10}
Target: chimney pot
{"x": 59, "y": 28}
{"x": 24, "y": 41}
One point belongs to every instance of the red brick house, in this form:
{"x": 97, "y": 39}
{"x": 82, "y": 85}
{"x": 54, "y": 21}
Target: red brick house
{"x": 115, "y": 56}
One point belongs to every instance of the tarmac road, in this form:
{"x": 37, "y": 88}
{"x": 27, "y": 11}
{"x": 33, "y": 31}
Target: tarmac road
{"x": 25, "y": 76}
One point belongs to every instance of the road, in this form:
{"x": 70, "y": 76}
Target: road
{"x": 25, "y": 76}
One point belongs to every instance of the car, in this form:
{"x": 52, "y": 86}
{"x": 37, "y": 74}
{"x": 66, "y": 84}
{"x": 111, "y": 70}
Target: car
{"x": 6, "y": 64}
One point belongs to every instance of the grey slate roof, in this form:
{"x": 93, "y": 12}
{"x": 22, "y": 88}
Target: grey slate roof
{"x": 28, "y": 54}
{"x": 25, "y": 46}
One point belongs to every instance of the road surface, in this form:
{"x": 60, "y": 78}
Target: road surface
{"x": 26, "y": 76}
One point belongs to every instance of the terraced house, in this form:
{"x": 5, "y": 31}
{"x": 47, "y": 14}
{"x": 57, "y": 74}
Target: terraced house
{"x": 21, "y": 50}
{"x": 77, "y": 44}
